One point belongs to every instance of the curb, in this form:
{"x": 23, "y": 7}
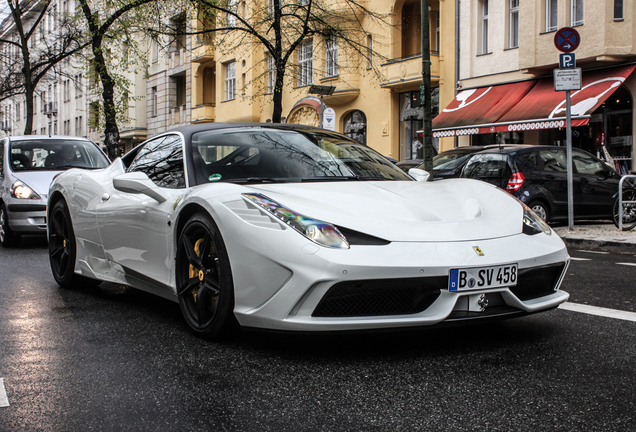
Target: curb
{"x": 609, "y": 245}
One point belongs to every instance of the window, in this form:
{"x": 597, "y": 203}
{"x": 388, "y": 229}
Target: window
{"x": 153, "y": 102}
{"x": 586, "y": 164}
{"x": 162, "y": 161}
{"x": 577, "y": 12}
{"x": 17, "y": 111}
{"x": 618, "y": 10}
{"x": 483, "y": 34}
{"x": 78, "y": 126}
{"x": 553, "y": 160}
{"x": 155, "y": 51}
{"x": 78, "y": 87}
{"x": 551, "y": 15}
{"x": 93, "y": 115}
{"x": 332, "y": 56}
{"x": 305, "y": 63}
{"x": 513, "y": 24}
{"x": 271, "y": 74}
{"x": 436, "y": 45}
{"x": 355, "y": 126}
{"x": 230, "y": 80}
{"x": 230, "y": 18}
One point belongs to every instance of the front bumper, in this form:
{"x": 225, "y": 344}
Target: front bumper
{"x": 27, "y": 216}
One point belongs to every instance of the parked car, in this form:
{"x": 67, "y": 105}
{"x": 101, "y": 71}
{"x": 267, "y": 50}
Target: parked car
{"x": 27, "y": 166}
{"x": 537, "y": 175}
{"x": 290, "y": 227}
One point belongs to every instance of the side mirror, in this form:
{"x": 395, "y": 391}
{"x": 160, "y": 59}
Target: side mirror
{"x": 138, "y": 183}
{"x": 419, "y": 174}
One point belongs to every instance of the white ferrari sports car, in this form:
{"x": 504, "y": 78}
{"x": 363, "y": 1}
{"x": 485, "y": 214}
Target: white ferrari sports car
{"x": 289, "y": 227}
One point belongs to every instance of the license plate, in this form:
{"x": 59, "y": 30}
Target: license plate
{"x": 483, "y": 277}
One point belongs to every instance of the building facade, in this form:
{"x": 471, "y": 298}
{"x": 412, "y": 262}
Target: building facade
{"x": 506, "y": 85}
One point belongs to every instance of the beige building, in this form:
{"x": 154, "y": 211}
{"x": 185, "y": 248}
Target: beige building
{"x": 506, "y": 63}
{"x": 201, "y": 80}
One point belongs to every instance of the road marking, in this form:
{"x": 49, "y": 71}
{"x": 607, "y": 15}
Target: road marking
{"x": 580, "y": 259}
{"x": 596, "y": 252}
{"x": 4, "y": 401}
{"x": 599, "y": 311}
{"x": 629, "y": 264}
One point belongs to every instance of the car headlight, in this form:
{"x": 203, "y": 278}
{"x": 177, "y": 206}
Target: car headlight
{"x": 533, "y": 224}
{"x": 317, "y": 231}
{"x": 20, "y": 190}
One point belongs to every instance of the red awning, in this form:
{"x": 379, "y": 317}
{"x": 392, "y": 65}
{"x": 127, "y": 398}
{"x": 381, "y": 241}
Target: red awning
{"x": 540, "y": 107}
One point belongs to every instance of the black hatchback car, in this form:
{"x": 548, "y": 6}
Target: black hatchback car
{"x": 537, "y": 175}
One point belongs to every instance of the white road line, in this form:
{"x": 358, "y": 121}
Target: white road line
{"x": 596, "y": 252}
{"x": 629, "y": 264}
{"x": 580, "y": 259}
{"x": 4, "y": 401}
{"x": 599, "y": 311}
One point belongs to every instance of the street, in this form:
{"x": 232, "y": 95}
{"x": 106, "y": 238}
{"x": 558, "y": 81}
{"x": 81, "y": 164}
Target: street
{"x": 115, "y": 359}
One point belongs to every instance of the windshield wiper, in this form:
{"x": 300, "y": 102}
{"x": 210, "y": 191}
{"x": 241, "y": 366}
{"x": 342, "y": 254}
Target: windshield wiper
{"x": 341, "y": 178}
{"x": 256, "y": 180}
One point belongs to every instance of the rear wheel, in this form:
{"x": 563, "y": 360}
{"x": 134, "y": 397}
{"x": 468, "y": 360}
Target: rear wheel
{"x": 204, "y": 279}
{"x": 629, "y": 210}
{"x": 63, "y": 249}
{"x": 540, "y": 209}
{"x": 7, "y": 237}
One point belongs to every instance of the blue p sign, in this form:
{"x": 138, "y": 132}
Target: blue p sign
{"x": 567, "y": 61}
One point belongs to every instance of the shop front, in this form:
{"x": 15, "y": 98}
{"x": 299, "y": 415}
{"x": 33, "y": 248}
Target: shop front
{"x": 531, "y": 112}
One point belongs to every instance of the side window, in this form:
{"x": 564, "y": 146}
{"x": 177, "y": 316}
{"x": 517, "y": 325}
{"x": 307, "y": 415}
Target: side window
{"x": 587, "y": 164}
{"x": 553, "y": 160}
{"x": 1, "y": 158}
{"x": 162, "y": 161}
{"x": 530, "y": 159}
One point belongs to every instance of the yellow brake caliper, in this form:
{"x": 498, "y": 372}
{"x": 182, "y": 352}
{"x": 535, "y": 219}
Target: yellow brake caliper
{"x": 193, "y": 271}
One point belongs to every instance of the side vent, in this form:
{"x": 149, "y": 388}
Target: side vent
{"x": 253, "y": 215}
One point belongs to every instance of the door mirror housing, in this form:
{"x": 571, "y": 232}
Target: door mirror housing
{"x": 419, "y": 174}
{"x": 138, "y": 183}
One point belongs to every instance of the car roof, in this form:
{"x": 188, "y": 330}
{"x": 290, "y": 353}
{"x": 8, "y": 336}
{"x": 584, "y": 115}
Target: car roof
{"x": 45, "y": 138}
{"x": 512, "y": 148}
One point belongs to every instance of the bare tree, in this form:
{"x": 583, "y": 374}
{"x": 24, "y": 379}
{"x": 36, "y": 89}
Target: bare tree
{"x": 280, "y": 27}
{"x": 32, "y": 51}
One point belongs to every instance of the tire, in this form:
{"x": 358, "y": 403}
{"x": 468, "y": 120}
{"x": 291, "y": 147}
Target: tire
{"x": 63, "y": 249}
{"x": 540, "y": 209}
{"x": 204, "y": 280}
{"x": 7, "y": 237}
{"x": 629, "y": 210}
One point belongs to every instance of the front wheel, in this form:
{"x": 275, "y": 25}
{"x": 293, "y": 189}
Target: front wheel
{"x": 629, "y": 210}
{"x": 204, "y": 279}
{"x": 7, "y": 237}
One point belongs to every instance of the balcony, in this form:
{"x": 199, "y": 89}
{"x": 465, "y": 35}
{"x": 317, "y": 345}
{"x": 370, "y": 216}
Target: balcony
{"x": 178, "y": 58}
{"x": 50, "y": 108}
{"x": 203, "y": 54}
{"x": 203, "y": 113}
{"x": 403, "y": 72}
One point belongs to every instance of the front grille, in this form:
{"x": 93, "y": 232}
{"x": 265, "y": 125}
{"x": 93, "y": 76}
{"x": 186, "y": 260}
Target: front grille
{"x": 380, "y": 297}
{"x": 537, "y": 282}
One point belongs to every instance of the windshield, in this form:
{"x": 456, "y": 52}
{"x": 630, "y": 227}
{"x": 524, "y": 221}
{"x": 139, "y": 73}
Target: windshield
{"x": 55, "y": 155}
{"x": 275, "y": 155}
{"x": 451, "y": 159}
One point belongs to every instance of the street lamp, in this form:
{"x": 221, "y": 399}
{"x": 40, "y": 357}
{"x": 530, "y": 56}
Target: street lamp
{"x": 321, "y": 90}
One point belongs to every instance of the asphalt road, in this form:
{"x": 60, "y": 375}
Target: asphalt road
{"x": 112, "y": 359}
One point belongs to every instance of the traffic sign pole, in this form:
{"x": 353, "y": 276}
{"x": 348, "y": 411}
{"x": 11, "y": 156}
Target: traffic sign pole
{"x": 568, "y": 140}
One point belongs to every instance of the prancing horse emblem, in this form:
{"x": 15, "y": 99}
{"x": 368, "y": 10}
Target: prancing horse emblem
{"x": 478, "y": 251}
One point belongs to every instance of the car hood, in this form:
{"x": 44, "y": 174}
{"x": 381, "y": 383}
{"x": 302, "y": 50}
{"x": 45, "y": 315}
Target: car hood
{"x": 39, "y": 181}
{"x": 452, "y": 210}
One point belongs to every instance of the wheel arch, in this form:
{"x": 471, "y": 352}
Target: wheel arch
{"x": 185, "y": 214}
{"x": 545, "y": 203}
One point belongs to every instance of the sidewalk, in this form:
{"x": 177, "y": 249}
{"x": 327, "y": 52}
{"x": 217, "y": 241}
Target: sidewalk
{"x": 601, "y": 235}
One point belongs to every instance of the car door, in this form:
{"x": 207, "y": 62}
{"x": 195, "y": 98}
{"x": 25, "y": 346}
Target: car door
{"x": 594, "y": 195}
{"x": 134, "y": 226}
{"x": 554, "y": 177}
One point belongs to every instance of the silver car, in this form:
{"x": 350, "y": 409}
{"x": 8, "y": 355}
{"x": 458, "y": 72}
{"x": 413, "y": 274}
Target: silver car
{"x": 27, "y": 167}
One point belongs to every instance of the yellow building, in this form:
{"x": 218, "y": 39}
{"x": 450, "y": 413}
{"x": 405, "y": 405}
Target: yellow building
{"x": 373, "y": 87}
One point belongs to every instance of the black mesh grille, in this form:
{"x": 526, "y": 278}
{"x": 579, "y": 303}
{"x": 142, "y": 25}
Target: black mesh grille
{"x": 537, "y": 282}
{"x": 380, "y": 297}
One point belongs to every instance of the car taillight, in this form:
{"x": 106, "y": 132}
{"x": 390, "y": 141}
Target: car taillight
{"x": 515, "y": 181}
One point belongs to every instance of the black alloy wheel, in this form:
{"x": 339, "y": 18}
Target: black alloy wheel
{"x": 7, "y": 237}
{"x": 63, "y": 248}
{"x": 629, "y": 210}
{"x": 204, "y": 279}
{"x": 540, "y": 209}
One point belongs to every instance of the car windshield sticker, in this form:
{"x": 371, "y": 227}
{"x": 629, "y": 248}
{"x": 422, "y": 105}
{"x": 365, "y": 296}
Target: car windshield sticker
{"x": 214, "y": 177}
